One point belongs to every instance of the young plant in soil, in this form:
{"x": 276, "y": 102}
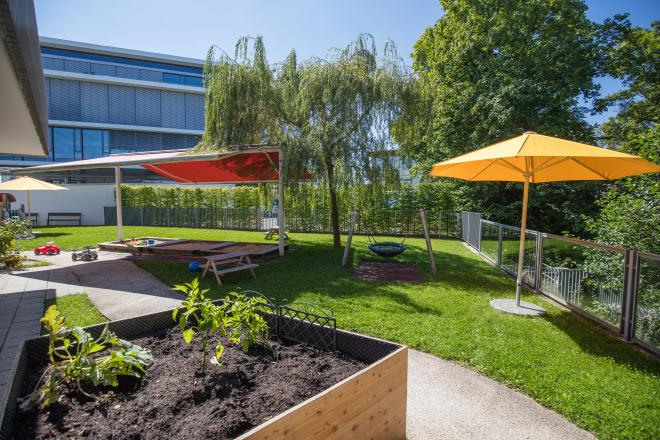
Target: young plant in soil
{"x": 246, "y": 324}
{"x": 198, "y": 315}
{"x": 75, "y": 359}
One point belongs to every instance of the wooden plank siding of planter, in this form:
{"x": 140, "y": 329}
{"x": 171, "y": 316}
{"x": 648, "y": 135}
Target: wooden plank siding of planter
{"x": 369, "y": 405}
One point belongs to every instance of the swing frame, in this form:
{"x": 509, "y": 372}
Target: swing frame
{"x": 427, "y": 237}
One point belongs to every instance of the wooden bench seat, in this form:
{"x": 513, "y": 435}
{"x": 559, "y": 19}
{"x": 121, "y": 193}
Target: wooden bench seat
{"x": 238, "y": 260}
{"x": 56, "y": 217}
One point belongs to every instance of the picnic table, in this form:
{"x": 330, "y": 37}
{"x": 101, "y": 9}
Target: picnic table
{"x": 274, "y": 231}
{"x": 236, "y": 261}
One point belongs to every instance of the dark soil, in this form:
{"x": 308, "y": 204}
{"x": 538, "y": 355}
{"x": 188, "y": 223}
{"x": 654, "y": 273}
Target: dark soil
{"x": 175, "y": 400}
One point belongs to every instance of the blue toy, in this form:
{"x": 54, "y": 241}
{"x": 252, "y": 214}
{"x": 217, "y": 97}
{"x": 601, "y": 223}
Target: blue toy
{"x": 195, "y": 266}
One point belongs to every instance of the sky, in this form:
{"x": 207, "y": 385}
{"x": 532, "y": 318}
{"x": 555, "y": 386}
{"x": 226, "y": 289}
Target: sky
{"x": 188, "y": 28}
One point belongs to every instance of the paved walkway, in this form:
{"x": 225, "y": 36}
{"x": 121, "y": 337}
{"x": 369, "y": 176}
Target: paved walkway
{"x": 445, "y": 400}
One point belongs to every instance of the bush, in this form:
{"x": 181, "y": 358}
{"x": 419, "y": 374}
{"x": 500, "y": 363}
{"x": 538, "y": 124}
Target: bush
{"x": 9, "y": 252}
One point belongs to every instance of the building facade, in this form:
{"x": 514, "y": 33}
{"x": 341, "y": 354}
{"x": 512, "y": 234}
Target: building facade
{"x": 104, "y": 100}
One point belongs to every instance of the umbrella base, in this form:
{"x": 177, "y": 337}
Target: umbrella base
{"x": 524, "y": 309}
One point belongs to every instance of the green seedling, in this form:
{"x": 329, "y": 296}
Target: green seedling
{"x": 197, "y": 315}
{"x": 246, "y": 324}
{"x": 76, "y": 359}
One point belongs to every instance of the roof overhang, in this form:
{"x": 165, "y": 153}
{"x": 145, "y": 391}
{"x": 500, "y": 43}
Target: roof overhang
{"x": 23, "y": 105}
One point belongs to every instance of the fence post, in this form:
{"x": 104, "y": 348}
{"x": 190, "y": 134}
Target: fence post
{"x": 630, "y": 279}
{"x": 479, "y": 232}
{"x": 141, "y": 215}
{"x": 499, "y": 244}
{"x": 539, "y": 261}
{"x": 447, "y": 220}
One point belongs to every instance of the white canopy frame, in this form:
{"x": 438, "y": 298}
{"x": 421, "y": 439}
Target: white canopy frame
{"x": 171, "y": 156}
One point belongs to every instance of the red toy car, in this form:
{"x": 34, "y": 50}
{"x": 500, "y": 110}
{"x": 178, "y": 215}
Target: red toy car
{"x": 48, "y": 249}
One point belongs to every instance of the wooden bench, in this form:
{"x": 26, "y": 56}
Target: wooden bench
{"x": 55, "y": 217}
{"x": 238, "y": 260}
{"x": 34, "y": 219}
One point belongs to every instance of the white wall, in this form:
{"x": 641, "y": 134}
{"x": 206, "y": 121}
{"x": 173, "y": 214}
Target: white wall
{"x": 88, "y": 199}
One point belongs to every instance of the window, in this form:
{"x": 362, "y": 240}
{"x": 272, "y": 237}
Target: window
{"x": 119, "y": 60}
{"x": 194, "y": 81}
{"x": 172, "y": 78}
{"x": 63, "y": 144}
{"x": 92, "y": 144}
{"x": 77, "y": 143}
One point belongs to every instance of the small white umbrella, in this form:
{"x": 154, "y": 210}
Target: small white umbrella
{"x": 28, "y": 184}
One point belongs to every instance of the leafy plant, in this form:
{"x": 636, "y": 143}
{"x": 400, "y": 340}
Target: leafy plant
{"x": 198, "y": 315}
{"x": 9, "y": 252}
{"x": 246, "y": 325}
{"x": 75, "y": 359}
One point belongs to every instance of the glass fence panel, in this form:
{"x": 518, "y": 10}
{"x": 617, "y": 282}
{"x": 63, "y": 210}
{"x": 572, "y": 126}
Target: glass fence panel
{"x": 587, "y": 278}
{"x": 490, "y": 240}
{"x": 647, "y": 313}
{"x": 510, "y": 246}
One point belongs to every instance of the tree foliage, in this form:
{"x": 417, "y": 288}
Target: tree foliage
{"x": 630, "y": 210}
{"x": 330, "y": 116}
{"x": 238, "y": 106}
{"x": 489, "y": 70}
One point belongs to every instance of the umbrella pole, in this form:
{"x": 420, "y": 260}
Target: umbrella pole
{"x": 27, "y": 195}
{"x": 280, "y": 211}
{"x": 120, "y": 217}
{"x": 521, "y": 249}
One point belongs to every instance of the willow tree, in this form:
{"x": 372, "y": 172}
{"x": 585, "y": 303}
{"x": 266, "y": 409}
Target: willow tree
{"x": 335, "y": 115}
{"x": 238, "y": 106}
{"x": 331, "y": 117}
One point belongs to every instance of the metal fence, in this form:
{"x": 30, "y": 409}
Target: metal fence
{"x": 619, "y": 288}
{"x": 393, "y": 222}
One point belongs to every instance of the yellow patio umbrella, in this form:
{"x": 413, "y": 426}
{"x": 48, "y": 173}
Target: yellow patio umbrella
{"x": 28, "y": 184}
{"x": 536, "y": 158}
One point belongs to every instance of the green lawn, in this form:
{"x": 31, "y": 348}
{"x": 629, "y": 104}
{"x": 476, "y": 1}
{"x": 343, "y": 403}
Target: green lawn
{"x": 562, "y": 361}
{"x": 77, "y": 310}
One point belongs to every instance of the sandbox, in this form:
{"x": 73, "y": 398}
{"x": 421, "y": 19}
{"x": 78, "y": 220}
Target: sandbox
{"x": 187, "y": 247}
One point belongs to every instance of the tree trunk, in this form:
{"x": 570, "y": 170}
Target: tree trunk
{"x": 334, "y": 211}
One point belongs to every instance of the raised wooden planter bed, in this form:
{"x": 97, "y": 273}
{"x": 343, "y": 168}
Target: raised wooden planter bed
{"x": 370, "y": 404}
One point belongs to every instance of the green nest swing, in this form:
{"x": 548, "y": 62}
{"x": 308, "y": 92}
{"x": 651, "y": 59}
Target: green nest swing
{"x": 387, "y": 249}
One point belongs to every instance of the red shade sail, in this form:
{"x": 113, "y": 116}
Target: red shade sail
{"x": 249, "y": 164}
{"x": 254, "y": 167}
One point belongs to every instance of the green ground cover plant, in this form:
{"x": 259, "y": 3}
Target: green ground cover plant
{"x": 562, "y": 361}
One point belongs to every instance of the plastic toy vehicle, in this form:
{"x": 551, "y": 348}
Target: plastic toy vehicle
{"x": 86, "y": 254}
{"x": 47, "y": 249}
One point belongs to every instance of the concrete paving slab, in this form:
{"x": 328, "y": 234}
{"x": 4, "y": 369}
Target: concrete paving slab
{"x": 117, "y": 287}
{"x": 447, "y": 401}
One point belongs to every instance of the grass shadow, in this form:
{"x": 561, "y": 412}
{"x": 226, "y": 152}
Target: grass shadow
{"x": 596, "y": 341}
